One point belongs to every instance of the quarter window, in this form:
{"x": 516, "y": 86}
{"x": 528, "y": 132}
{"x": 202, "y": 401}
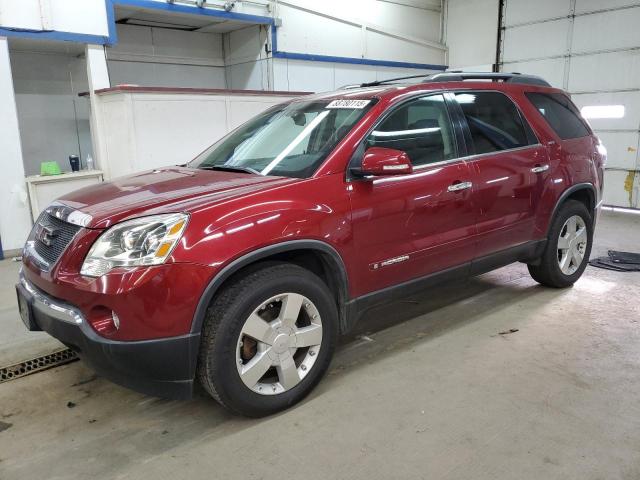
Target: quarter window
{"x": 560, "y": 113}
{"x": 421, "y": 128}
{"x": 494, "y": 122}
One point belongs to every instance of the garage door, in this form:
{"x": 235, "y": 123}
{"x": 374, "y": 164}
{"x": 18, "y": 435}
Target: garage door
{"x": 591, "y": 49}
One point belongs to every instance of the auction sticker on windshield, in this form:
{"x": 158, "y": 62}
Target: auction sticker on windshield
{"x": 349, "y": 104}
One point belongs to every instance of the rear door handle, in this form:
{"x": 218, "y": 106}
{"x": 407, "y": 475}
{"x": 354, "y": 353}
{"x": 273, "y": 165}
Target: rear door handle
{"x": 456, "y": 187}
{"x": 540, "y": 168}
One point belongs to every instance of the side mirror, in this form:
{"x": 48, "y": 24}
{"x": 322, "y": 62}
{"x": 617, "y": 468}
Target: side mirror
{"x": 385, "y": 161}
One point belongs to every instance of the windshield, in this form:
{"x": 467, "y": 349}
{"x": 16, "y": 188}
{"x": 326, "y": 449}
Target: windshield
{"x": 289, "y": 140}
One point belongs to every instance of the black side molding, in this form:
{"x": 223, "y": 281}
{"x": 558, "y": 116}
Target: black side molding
{"x": 358, "y": 306}
{"x": 526, "y": 252}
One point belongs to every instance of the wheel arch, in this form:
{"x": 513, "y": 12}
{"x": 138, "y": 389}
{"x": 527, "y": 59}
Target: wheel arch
{"x": 583, "y": 192}
{"x": 310, "y": 254}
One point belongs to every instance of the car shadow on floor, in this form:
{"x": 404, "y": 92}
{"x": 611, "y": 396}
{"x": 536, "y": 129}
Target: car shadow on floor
{"x": 399, "y": 325}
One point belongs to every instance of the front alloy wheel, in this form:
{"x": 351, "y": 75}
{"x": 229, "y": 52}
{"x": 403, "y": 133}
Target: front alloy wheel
{"x": 279, "y": 343}
{"x": 267, "y": 339}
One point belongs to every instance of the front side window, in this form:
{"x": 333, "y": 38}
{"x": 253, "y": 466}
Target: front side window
{"x": 291, "y": 140}
{"x": 421, "y": 128}
{"x": 560, "y": 113}
{"x": 494, "y": 122}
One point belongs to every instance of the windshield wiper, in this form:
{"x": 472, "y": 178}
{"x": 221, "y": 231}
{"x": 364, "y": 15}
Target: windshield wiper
{"x": 230, "y": 168}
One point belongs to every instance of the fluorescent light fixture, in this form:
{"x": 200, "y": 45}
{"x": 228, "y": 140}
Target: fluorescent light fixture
{"x": 602, "y": 111}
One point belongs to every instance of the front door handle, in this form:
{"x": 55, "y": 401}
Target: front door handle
{"x": 540, "y": 168}
{"x": 456, "y": 187}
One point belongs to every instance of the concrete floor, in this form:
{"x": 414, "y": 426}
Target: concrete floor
{"x": 427, "y": 389}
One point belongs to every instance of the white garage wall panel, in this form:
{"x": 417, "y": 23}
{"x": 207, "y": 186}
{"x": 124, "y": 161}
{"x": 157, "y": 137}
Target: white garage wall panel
{"x": 605, "y": 72}
{"x": 525, "y": 11}
{"x": 399, "y": 31}
{"x": 592, "y": 49}
{"x": 526, "y": 42}
{"x": 323, "y": 27}
{"x": 471, "y": 33}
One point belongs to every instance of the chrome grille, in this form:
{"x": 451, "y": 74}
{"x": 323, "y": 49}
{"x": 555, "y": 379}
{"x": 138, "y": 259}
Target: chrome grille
{"x": 55, "y": 239}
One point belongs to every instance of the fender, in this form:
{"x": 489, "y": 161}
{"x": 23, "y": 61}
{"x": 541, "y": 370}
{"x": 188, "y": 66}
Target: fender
{"x": 334, "y": 261}
{"x": 574, "y": 188}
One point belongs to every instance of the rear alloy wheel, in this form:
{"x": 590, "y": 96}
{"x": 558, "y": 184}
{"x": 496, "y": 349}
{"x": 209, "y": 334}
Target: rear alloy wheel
{"x": 268, "y": 339}
{"x": 566, "y": 253}
{"x": 572, "y": 244}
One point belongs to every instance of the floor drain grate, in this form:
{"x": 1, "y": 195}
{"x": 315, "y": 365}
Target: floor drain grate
{"x": 27, "y": 367}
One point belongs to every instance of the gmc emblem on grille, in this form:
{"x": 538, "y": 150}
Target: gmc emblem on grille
{"x": 46, "y": 234}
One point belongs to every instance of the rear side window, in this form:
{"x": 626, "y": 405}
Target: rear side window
{"x": 421, "y": 128}
{"x": 560, "y": 113}
{"x": 494, "y": 121}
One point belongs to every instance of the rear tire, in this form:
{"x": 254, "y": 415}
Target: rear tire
{"x": 568, "y": 247}
{"x": 267, "y": 339}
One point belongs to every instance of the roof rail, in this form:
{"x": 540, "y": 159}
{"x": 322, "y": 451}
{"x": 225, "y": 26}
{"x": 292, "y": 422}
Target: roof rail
{"x": 514, "y": 77}
{"x": 389, "y": 80}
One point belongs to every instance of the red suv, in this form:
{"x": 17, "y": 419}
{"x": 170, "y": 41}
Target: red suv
{"x": 240, "y": 268}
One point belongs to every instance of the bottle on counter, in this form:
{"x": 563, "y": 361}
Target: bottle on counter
{"x": 89, "y": 162}
{"x": 74, "y": 161}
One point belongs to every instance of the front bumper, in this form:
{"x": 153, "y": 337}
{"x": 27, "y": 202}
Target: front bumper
{"x": 162, "y": 367}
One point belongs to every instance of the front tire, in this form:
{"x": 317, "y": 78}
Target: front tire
{"x": 568, "y": 247}
{"x": 267, "y": 339}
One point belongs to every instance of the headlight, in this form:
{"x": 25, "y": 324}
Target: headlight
{"x": 142, "y": 241}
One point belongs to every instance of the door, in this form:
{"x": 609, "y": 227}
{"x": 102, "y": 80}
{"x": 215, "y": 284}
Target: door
{"x": 408, "y": 226}
{"x": 509, "y": 166}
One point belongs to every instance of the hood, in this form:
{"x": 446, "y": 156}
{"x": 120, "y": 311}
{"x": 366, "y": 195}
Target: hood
{"x": 162, "y": 189}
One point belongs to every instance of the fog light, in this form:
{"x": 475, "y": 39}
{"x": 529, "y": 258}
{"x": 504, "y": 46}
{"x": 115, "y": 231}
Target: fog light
{"x": 104, "y": 320}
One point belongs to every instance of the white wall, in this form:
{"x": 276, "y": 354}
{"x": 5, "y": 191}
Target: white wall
{"x": 246, "y": 60}
{"x": 161, "y": 57}
{"x": 371, "y": 29}
{"x": 471, "y": 33}
{"x": 298, "y": 75}
{"x": 74, "y": 16}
